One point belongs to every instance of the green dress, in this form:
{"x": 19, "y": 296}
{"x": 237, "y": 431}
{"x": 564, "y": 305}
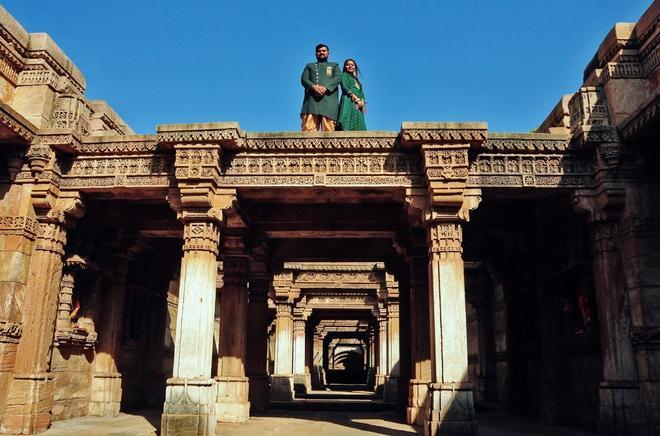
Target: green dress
{"x": 350, "y": 117}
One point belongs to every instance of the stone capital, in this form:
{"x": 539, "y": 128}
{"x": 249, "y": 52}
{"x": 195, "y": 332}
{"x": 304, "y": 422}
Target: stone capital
{"x": 201, "y": 236}
{"x": 445, "y": 239}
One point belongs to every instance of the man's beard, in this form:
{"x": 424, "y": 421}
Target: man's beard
{"x": 321, "y": 59}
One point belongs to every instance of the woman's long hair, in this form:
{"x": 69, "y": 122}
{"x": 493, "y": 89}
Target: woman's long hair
{"x": 357, "y": 70}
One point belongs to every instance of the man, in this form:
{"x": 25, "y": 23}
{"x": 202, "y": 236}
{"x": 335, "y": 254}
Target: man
{"x": 321, "y": 82}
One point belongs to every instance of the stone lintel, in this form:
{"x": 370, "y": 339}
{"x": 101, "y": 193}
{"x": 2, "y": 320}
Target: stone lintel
{"x": 320, "y": 141}
{"x": 334, "y": 266}
{"x": 63, "y": 140}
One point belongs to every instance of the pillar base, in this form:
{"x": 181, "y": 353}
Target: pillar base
{"x": 622, "y": 411}
{"x": 258, "y": 395}
{"x": 189, "y": 407}
{"x": 451, "y": 410}
{"x": 105, "y": 395}
{"x": 232, "y": 402}
{"x": 417, "y": 401}
{"x": 391, "y": 394}
{"x": 381, "y": 380}
{"x": 29, "y": 404}
{"x": 281, "y": 387}
{"x": 302, "y": 383}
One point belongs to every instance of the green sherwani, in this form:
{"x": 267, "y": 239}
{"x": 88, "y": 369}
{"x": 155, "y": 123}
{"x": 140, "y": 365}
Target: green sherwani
{"x": 327, "y": 74}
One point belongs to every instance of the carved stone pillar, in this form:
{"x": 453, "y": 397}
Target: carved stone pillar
{"x": 233, "y": 385}
{"x": 451, "y": 407}
{"x": 421, "y": 353}
{"x": 393, "y": 346}
{"x": 381, "y": 371}
{"x": 300, "y": 379}
{"x": 282, "y": 379}
{"x": 30, "y": 394}
{"x": 257, "y": 330}
{"x": 190, "y": 395}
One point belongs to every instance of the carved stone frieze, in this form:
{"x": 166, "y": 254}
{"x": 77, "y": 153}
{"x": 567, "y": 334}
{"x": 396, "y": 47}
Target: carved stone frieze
{"x": 325, "y": 300}
{"x": 122, "y": 171}
{"x": 18, "y": 225}
{"x": 73, "y": 113}
{"x": 444, "y": 135}
{"x": 319, "y": 143}
{"x": 199, "y": 136}
{"x": 147, "y": 144}
{"x": 588, "y": 107}
{"x": 519, "y": 170}
{"x": 59, "y": 69}
{"x": 624, "y": 70}
{"x": 10, "y": 332}
{"x": 519, "y": 143}
{"x": 10, "y": 63}
{"x": 336, "y": 277}
{"x": 315, "y": 266}
{"x": 38, "y": 75}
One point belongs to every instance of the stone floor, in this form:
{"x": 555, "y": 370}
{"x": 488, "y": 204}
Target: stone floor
{"x": 298, "y": 423}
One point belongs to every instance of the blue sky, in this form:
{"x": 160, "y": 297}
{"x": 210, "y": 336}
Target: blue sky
{"x": 506, "y": 62}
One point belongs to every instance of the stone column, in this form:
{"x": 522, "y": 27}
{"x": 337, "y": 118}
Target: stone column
{"x": 421, "y": 353}
{"x": 190, "y": 394}
{"x": 282, "y": 378}
{"x": 232, "y": 403}
{"x": 381, "y": 372}
{"x": 30, "y": 395}
{"x": 105, "y": 397}
{"x": 257, "y": 330}
{"x": 621, "y": 406}
{"x": 300, "y": 382}
{"x": 451, "y": 409}
{"x": 393, "y": 363}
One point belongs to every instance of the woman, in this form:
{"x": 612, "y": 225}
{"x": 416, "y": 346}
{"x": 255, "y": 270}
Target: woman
{"x": 352, "y": 106}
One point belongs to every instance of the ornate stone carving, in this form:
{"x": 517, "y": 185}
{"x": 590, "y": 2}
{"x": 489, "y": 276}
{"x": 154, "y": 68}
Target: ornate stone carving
{"x": 38, "y": 75}
{"x": 72, "y": 112}
{"x": 199, "y": 136}
{"x": 52, "y": 63}
{"x": 18, "y": 225}
{"x": 10, "y": 332}
{"x": 201, "y": 236}
{"x": 525, "y": 143}
{"x": 624, "y": 70}
{"x": 444, "y": 135}
{"x": 445, "y": 238}
{"x": 109, "y": 171}
{"x": 146, "y": 144}
{"x": 518, "y": 170}
{"x": 371, "y": 142}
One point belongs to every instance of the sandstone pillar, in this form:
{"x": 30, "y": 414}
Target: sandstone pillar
{"x": 190, "y": 394}
{"x": 381, "y": 371}
{"x": 105, "y": 397}
{"x": 621, "y": 405}
{"x": 393, "y": 363}
{"x": 300, "y": 376}
{"x": 421, "y": 354}
{"x": 257, "y": 330}
{"x": 30, "y": 395}
{"x": 233, "y": 386}
{"x": 282, "y": 378}
{"x": 451, "y": 409}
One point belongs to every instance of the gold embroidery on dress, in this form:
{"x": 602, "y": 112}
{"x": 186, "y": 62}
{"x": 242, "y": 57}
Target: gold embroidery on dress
{"x": 328, "y": 71}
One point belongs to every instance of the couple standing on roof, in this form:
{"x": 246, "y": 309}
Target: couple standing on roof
{"x": 320, "y": 109}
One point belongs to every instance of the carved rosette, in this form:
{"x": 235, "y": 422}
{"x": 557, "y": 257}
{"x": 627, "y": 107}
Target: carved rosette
{"x": 201, "y": 236}
{"x": 445, "y": 240}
